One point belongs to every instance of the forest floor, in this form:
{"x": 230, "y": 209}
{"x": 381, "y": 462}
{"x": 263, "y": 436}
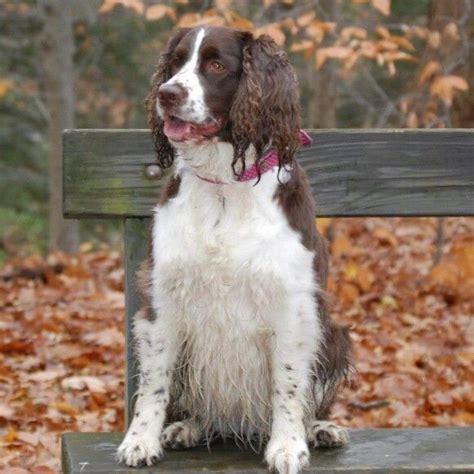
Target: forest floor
{"x": 62, "y": 336}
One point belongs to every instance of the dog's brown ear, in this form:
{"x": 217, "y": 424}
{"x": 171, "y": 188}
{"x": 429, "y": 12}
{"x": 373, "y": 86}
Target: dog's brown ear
{"x": 266, "y": 110}
{"x": 164, "y": 150}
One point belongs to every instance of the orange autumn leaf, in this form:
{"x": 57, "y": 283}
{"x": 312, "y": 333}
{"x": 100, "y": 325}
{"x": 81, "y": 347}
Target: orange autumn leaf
{"x": 365, "y": 279}
{"x": 445, "y": 87}
{"x": 66, "y": 408}
{"x": 188, "y": 20}
{"x": 222, "y": 4}
{"x": 331, "y": 52}
{"x": 305, "y": 19}
{"x": 431, "y": 68}
{"x": 274, "y": 31}
{"x": 157, "y": 12}
{"x": 353, "y": 32}
{"x": 359, "y": 275}
{"x": 340, "y": 246}
{"x": 42, "y": 470}
{"x": 348, "y": 293}
{"x": 383, "y": 6}
{"x": 399, "y": 56}
{"x": 383, "y": 32}
{"x": 11, "y": 435}
{"x": 5, "y": 86}
{"x": 323, "y": 224}
{"x": 240, "y": 22}
{"x": 136, "y": 5}
{"x": 402, "y": 42}
{"x": 384, "y": 236}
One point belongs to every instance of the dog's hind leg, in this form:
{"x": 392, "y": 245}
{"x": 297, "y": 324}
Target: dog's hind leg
{"x": 324, "y": 434}
{"x": 181, "y": 434}
{"x": 332, "y": 368}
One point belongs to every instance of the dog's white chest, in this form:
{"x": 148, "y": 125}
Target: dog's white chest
{"x": 220, "y": 268}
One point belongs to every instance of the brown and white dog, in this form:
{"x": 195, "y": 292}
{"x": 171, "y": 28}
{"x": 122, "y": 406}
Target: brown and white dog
{"x": 236, "y": 340}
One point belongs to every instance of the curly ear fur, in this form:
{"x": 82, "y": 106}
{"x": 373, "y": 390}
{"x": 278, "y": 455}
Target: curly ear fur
{"x": 164, "y": 150}
{"x": 266, "y": 105}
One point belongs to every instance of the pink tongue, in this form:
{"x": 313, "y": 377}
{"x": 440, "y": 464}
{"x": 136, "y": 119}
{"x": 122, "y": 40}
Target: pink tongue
{"x": 177, "y": 130}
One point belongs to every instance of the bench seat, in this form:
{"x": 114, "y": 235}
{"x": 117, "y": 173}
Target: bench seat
{"x": 372, "y": 450}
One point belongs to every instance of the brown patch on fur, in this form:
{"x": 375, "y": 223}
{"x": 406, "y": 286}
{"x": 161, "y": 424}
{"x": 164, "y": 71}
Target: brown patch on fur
{"x": 266, "y": 104}
{"x": 143, "y": 282}
{"x": 170, "y": 190}
{"x": 163, "y": 148}
{"x": 335, "y": 364}
{"x": 143, "y": 276}
{"x": 296, "y": 201}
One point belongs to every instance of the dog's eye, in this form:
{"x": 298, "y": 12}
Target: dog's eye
{"x": 176, "y": 62}
{"x": 216, "y": 66}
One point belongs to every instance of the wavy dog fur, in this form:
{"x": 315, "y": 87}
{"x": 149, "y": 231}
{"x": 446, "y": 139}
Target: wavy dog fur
{"x": 265, "y": 108}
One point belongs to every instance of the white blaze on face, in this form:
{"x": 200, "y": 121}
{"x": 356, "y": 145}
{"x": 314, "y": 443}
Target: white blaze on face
{"x": 194, "y": 108}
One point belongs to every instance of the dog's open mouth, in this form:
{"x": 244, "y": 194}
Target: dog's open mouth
{"x": 179, "y": 130}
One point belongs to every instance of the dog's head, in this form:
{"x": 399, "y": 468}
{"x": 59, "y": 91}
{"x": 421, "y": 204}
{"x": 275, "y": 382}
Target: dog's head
{"x": 220, "y": 83}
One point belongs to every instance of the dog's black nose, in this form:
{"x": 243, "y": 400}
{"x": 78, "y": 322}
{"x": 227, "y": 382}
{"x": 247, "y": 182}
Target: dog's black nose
{"x": 170, "y": 94}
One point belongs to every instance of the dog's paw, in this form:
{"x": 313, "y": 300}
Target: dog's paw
{"x": 324, "y": 434}
{"x": 181, "y": 434}
{"x": 287, "y": 455}
{"x": 138, "y": 450}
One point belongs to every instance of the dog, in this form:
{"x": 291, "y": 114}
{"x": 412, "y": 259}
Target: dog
{"x": 234, "y": 337}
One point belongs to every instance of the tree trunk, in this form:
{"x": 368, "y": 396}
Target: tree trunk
{"x": 440, "y": 13}
{"x": 58, "y": 50}
{"x": 322, "y": 108}
{"x": 463, "y": 109}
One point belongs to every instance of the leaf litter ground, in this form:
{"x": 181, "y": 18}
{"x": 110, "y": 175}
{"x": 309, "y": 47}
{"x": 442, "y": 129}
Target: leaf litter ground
{"x": 62, "y": 336}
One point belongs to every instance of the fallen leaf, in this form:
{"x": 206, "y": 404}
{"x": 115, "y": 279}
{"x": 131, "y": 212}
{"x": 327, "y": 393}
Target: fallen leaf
{"x": 110, "y": 337}
{"x": 66, "y": 408}
{"x": 30, "y": 438}
{"x": 11, "y": 435}
{"x": 384, "y": 236}
{"x": 348, "y": 293}
{"x": 42, "y": 470}
{"x": 341, "y": 246}
{"x": 323, "y": 224}
{"x": 81, "y": 382}
{"x": 45, "y": 375}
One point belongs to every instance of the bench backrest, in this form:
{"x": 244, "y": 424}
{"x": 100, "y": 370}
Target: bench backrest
{"x": 352, "y": 173}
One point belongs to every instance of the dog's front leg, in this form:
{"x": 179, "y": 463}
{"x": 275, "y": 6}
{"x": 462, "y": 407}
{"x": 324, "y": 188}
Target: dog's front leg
{"x": 156, "y": 349}
{"x": 287, "y": 450}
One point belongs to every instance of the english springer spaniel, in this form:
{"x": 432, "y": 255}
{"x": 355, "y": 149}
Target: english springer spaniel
{"x": 234, "y": 338}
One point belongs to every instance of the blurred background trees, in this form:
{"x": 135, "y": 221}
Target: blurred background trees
{"x": 87, "y": 63}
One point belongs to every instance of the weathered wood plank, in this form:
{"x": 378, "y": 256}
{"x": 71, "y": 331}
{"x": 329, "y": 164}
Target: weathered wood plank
{"x": 370, "y": 451}
{"x": 135, "y": 252}
{"x": 352, "y": 172}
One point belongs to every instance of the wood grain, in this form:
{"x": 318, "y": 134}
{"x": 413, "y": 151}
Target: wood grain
{"x": 352, "y": 172}
{"x": 135, "y": 252}
{"x": 369, "y": 451}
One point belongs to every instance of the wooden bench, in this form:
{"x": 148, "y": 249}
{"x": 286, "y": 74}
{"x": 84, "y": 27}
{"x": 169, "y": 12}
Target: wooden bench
{"x": 111, "y": 174}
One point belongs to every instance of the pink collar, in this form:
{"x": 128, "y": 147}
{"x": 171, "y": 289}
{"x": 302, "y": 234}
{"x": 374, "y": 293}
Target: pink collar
{"x": 269, "y": 161}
